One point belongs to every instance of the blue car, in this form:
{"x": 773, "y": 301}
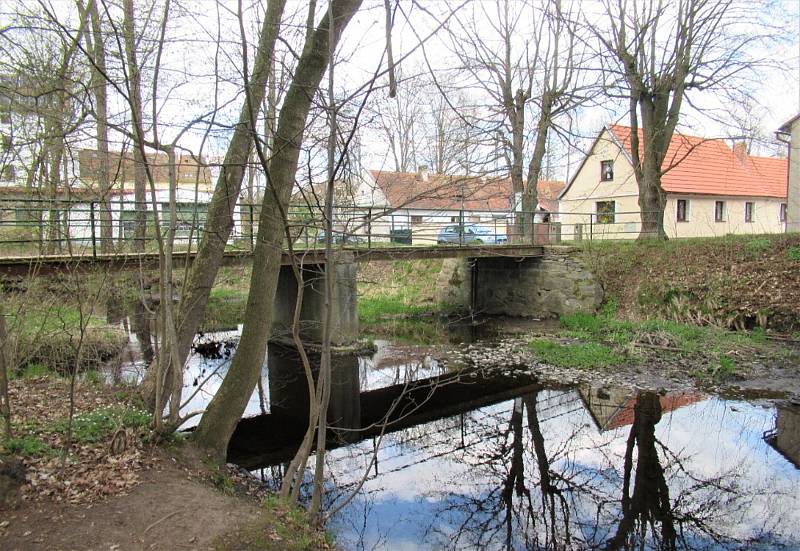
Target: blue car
{"x": 472, "y": 234}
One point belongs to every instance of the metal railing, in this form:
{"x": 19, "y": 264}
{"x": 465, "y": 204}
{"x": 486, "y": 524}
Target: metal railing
{"x": 40, "y": 227}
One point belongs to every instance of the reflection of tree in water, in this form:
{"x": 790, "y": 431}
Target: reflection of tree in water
{"x": 649, "y": 502}
{"x": 532, "y": 494}
{"x": 649, "y": 518}
{"x": 521, "y": 510}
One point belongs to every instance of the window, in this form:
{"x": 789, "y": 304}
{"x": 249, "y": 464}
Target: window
{"x": 605, "y": 212}
{"x": 683, "y": 210}
{"x": 749, "y": 211}
{"x": 719, "y": 211}
{"x": 454, "y": 218}
{"x": 416, "y": 219}
{"x": 782, "y": 214}
{"x": 606, "y": 171}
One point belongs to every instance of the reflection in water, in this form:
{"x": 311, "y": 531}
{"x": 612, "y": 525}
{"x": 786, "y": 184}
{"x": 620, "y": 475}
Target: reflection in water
{"x": 536, "y": 472}
{"x": 492, "y": 466}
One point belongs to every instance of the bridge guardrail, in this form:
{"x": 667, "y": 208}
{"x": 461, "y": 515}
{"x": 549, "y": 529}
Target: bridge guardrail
{"x": 37, "y": 227}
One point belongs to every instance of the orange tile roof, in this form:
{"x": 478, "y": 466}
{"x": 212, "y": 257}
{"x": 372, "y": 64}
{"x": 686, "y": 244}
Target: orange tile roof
{"x": 444, "y": 192}
{"x": 709, "y": 167}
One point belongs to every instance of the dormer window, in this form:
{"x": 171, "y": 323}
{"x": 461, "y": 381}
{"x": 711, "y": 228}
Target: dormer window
{"x": 606, "y": 171}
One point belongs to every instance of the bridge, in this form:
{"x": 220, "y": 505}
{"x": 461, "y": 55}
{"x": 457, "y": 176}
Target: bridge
{"x": 45, "y": 264}
{"x": 490, "y": 270}
{"x": 515, "y": 280}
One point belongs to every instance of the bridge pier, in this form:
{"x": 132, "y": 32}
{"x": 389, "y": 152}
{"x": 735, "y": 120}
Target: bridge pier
{"x": 344, "y": 318}
{"x": 542, "y": 287}
{"x": 288, "y": 388}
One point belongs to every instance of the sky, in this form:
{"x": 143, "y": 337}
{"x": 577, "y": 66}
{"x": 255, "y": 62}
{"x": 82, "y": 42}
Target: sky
{"x": 192, "y": 54}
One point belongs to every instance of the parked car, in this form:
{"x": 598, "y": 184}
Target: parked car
{"x": 472, "y": 234}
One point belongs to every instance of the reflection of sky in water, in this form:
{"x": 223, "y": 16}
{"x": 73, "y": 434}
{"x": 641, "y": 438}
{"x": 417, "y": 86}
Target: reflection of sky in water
{"x": 439, "y": 485}
{"x": 390, "y": 364}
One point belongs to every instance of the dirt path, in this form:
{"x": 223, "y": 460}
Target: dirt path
{"x": 170, "y": 509}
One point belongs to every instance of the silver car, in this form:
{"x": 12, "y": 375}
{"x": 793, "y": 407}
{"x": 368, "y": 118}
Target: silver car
{"x": 472, "y": 234}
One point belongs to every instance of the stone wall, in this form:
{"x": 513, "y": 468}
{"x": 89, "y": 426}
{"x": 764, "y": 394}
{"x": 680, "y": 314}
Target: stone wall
{"x": 557, "y": 283}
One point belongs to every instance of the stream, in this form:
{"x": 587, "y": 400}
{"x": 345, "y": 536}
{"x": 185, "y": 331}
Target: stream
{"x": 487, "y": 459}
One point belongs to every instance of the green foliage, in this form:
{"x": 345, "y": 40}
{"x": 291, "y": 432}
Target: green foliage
{"x": 793, "y": 253}
{"x": 35, "y": 370}
{"x": 579, "y": 355}
{"x": 88, "y": 428}
{"x": 758, "y": 246}
{"x": 221, "y": 482}
{"x": 28, "y": 445}
{"x": 727, "y": 365}
{"x": 723, "y": 370}
{"x": 92, "y": 377}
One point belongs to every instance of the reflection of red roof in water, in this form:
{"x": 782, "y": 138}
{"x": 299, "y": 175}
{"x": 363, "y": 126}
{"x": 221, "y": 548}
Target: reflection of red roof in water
{"x": 669, "y": 402}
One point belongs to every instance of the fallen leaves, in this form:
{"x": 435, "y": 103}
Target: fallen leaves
{"x": 91, "y": 472}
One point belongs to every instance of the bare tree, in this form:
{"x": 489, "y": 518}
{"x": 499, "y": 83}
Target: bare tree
{"x": 227, "y": 406}
{"x": 531, "y": 68}
{"x": 658, "y": 52}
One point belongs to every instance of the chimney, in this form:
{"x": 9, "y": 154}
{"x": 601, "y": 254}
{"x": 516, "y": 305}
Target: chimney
{"x": 740, "y": 151}
{"x": 423, "y": 175}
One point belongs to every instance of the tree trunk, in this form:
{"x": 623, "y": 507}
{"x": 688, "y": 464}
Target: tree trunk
{"x": 219, "y": 221}
{"x": 227, "y": 406}
{"x": 101, "y": 118}
{"x": 6, "y": 364}
{"x": 517, "y": 120}
{"x": 530, "y": 198}
{"x": 135, "y": 92}
{"x": 652, "y": 198}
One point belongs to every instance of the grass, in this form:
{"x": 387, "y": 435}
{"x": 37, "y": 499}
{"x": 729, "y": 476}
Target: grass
{"x": 603, "y": 328}
{"x": 371, "y": 310}
{"x": 723, "y": 370}
{"x": 397, "y": 300}
{"x": 33, "y": 371}
{"x": 29, "y": 445}
{"x": 575, "y": 355}
{"x": 226, "y": 307}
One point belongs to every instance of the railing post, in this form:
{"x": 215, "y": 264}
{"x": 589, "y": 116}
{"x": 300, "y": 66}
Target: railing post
{"x": 252, "y": 227}
{"x": 591, "y": 227}
{"x": 369, "y": 228}
{"x": 461, "y": 227}
{"x": 91, "y": 219}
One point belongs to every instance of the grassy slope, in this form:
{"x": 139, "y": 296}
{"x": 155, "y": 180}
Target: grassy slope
{"x": 731, "y": 281}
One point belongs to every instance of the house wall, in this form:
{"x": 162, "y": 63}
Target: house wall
{"x": 793, "y": 210}
{"x": 701, "y": 221}
{"x": 577, "y": 208}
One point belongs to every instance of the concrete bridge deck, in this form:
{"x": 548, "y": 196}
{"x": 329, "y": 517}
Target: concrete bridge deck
{"x": 48, "y": 264}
